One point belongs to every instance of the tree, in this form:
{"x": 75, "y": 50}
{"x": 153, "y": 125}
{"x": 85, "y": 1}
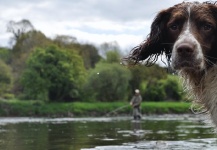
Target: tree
{"x": 142, "y": 75}
{"x": 88, "y": 52}
{"x": 164, "y": 89}
{"x": 53, "y": 74}
{"x": 6, "y": 79}
{"x": 112, "y": 57}
{"x": 20, "y": 52}
{"x": 108, "y": 82}
{"x": 5, "y": 54}
{"x": 63, "y": 40}
{"x": 154, "y": 91}
{"x": 108, "y": 46}
{"x": 172, "y": 88}
{"x": 19, "y": 28}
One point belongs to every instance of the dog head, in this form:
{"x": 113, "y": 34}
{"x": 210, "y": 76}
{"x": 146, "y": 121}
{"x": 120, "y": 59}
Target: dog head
{"x": 186, "y": 33}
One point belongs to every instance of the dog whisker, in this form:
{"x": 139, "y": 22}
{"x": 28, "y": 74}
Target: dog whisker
{"x": 209, "y": 62}
{"x": 210, "y": 57}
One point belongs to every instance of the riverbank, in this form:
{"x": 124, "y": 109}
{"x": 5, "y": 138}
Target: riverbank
{"x": 20, "y": 108}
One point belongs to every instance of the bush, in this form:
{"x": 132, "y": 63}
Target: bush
{"x": 164, "y": 89}
{"x": 154, "y": 91}
{"x": 172, "y": 88}
{"x": 5, "y": 79}
{"x": 53, "y": 74}
{"x": 8, "y": 96}
{"x": 107, "y": 82}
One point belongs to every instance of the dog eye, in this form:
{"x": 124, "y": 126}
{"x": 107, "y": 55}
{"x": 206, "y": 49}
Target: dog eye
{"x": 207, "y": 27}
{"x": 174, "y": 27}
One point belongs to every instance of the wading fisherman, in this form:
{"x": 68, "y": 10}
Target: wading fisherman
{"x": 135, "y": 103}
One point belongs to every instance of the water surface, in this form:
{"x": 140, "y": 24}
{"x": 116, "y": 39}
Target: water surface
{"x": 115, "y": 133}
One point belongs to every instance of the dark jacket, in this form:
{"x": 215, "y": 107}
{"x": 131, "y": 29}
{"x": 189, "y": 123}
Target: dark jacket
{"x": 136, "y": 100}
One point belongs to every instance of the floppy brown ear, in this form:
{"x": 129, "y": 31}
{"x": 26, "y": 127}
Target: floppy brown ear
{"x": 153, "y": 46}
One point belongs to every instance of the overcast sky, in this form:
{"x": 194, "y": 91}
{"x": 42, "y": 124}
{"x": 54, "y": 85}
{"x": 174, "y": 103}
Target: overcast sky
{"x": 93, "y": 21}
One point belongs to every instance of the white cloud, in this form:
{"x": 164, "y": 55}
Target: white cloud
{"x": 124, "y": 40}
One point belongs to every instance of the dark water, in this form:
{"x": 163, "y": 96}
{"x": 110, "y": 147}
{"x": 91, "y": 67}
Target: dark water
{"x": 120, "y": 133}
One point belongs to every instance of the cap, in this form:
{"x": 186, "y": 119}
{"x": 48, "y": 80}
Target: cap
{"x": 136, "y": 91}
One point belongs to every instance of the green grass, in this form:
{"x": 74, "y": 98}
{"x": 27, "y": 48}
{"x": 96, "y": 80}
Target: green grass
{"x": 37, "y": 108}
{"x": 165, "y": 107}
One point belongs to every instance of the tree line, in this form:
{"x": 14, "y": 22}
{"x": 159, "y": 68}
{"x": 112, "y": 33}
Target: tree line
{"x": 62, "y": 69}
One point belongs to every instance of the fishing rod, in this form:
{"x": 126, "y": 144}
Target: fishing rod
{"x": 119, "y": 108}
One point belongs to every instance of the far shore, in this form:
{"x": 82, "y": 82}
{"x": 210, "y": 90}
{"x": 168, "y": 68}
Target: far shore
{"x": 21, "y": 108}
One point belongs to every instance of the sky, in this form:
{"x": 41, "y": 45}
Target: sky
{"x": 90, "y": 21}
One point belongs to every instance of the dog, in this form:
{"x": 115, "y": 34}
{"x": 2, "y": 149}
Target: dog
{"x": 187, "y": 34}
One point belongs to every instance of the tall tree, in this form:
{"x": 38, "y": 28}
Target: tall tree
{"x": 88, "y": 52}
{"x": 19, "y": 28}
{"x": 142, "y": 75}
{"x": 53, "y": 74}
{"x": 112, "y": 57}
{"x": 64, "y": 40}
{"x": 108, "y": 46}
{"x": 23, "y": 47}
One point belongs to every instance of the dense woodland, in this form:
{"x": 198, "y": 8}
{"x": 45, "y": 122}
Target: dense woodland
{"x": 61, "y": 69}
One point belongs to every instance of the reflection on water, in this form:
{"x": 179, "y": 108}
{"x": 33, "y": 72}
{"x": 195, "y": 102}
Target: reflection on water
{"x": 120, "y": 133}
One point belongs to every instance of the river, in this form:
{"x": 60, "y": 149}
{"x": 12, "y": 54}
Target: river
{"x": 181, "y": 132}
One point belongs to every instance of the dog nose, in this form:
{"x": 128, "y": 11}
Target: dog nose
{"x": 185, "y": 49}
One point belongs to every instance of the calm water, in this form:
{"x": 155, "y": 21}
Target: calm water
{"x": 119, "y": 133}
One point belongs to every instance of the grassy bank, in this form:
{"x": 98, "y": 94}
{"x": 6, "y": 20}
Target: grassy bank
{"x": 77, "y": 109}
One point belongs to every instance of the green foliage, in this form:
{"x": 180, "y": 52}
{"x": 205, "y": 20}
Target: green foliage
{"x": 53, "y": 74}
{"x": 64, "y": 40}
{"x": 5, "y": 55}
{"x": 164, "y": 89}
{"x": 108, "y": 82}
{"x": 24, "y": 46}
{"x": 88, "y": 52}
{"x": 8, "y": 96}
{"x": 56, "y": 74}
{"x": 5, "y": 79}
{"x": 142, "y": 75}
{"x": 165, "y": 107}
{"x": 154, "y": 91}
{"x": 172, "y": 88}
{"x": 90, "y": 55}
{"x": 104, "y": 48}
{"x": 99, "y": 108}
{"x": 112, "y": 57}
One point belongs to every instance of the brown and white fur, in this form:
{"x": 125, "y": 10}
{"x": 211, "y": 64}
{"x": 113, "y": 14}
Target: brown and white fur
{"x": 187, "y": 34}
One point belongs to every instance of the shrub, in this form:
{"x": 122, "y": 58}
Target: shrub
{"x": 172, "y": 88}
{"x": 154, "y": 91}
{"x": 107, "y": 82}
{"x": 164, "y": 89}
{"x": 53, "y": 74}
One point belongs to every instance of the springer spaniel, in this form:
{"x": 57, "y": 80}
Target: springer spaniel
{"x": 187, "y": 34}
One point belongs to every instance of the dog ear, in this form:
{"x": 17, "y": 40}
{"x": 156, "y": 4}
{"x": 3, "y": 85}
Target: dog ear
{"x": 153, "y": 46}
